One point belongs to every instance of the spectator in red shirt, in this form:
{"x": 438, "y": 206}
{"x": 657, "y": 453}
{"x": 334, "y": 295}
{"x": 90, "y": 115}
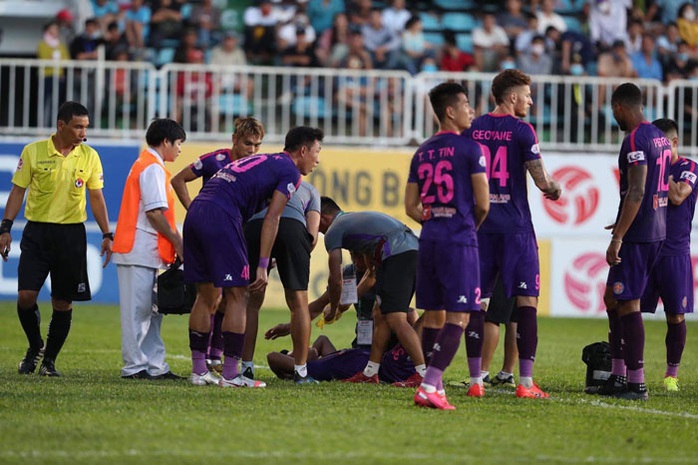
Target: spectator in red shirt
{"x": 454, "y": 59}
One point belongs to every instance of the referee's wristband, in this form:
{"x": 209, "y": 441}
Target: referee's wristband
{"x": 5, "y": 226}
{"x": 108, "y": 235}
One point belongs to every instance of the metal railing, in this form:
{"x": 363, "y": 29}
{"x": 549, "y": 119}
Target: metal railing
{"x": 374, "y": 108}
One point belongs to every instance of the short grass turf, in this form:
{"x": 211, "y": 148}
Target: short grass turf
{"x": 91, "y": 416}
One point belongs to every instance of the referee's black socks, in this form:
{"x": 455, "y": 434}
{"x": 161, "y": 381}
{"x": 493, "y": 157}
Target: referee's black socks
{"x": 58, "y": 331}
{"x": 30, "y": 319}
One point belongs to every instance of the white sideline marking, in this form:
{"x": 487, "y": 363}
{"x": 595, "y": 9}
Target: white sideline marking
{"x": 600, "y": 403}
{"x": 310, "y": 456}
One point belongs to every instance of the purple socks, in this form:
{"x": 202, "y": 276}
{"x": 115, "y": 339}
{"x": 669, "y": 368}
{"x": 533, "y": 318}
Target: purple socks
{"x": 527, "y": 340}
{"x": 634, "y": 338}
{"x": 233, "y": 343}
{"x": 675, "y": 341}
{"x": 473, "y": 342}
{"x": 445, "y": 348}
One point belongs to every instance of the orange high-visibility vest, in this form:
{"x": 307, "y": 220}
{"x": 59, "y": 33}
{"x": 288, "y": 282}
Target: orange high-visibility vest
{"x": 128, "y": 215}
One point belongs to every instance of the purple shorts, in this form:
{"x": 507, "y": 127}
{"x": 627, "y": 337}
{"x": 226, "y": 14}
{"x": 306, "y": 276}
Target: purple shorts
{"x": 396, "y": 365}
{"x": 342, "y": 364}
{"x": 448, "y": 278}
{"x": 629, "y": 278}
{"x": 214, "y": 247}
{"x": 671, "y": 279}
{"x": 513, "y": 257}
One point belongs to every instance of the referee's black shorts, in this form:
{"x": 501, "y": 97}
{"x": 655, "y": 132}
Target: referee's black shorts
{"x": 291, "y": 251}
{"x": 58, "y": 249}
{"x": 502, "y": 309}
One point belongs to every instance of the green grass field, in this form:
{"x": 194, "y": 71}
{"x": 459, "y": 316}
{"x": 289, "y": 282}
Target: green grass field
{"x": 91, "y": 416}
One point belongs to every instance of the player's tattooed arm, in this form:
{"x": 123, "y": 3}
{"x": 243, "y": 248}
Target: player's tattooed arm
{"x": 543, "y": 180}
{"x": 678, "y": 191}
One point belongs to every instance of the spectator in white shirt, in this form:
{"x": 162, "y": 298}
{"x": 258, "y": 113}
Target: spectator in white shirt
{"x": 491, "y": 44}
{"x": 548, "y": 17}
{"x": 396, "y": 16}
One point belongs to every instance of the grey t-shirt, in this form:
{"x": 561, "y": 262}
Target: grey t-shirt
{"x": 306, "y": 199}
{"x": 370, "y": 233}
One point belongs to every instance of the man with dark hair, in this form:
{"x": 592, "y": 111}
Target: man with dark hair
{"x": 671, "y": 277}
{"x": 247, "y": 139}
{"x": 216, "y": 216}
{"x": 58, "y": 171}
{"x": 447, "y": 193}
{"x": 644, "y": 164}
{"x": 507, "y": 240}
{"x": 392, "y": 248}
{"x": 147, "y": 240}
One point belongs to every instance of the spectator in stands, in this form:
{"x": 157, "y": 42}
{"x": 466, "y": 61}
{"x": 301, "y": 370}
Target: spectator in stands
{"x": 523, "y": 40}
{"x": 53, "y": 48}
{"x": 491, "y": 44}
{"x": 260, "y": 33}
{"x": 106, "y": 12}
{"x": 123, "y": 82}
{"x": 668, "y": 43}
{"x": 633, "y": 43}
{"x": 165, "y": 22}
{"x": 137, "y": 22}
{"x": 189, "y": 39}
{"x": 574, "y": 103}
{"x": 194, "y": 91}
{"x": 228, "y": 54}
{"x": 396, "y": 16}
{"x": 645, "y": 62}
{"x": 415, "y": 48}
{"x": 353, "y": 91}
{"x": 688, "y": 24}
{"x": 669, "y": 11}
{"x": 206, "y": 17}
{"x": 453, "y": 58}
{"x": 608, "y": 22}
{"x": 615, "y": 62}
{"x": 323, "y": 14}
{"x": 333, "y": 44}
{"x": 114, "y": 41}
{"x": 287, "y": 34}
{"x": 679, "y": 64}
{"x": 537, "y": 60}
{"x": 513, "y": 20}
{"x": 84, "y": 46}
{"x": 567, "y": 45}
{"x": 360, "y": 13}
{"x": 66, "y": 26}
{"x": 548, "y": 17}
{"x": 382, "y": 43}
{"x": 300, "y": 54}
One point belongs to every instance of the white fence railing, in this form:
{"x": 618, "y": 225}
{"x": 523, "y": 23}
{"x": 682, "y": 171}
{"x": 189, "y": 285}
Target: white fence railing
{"x": 375, "y": 108}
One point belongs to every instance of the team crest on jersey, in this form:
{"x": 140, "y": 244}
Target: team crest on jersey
{"x": 618, "y": 288}
{"x": 482, "y": 161}
{"x": 689, "y": 176}
{"x": 655, "y": 201}
{"x": 79, "y": 183}
{"x": 634, "y": 157}
{"x": 198, "y": 164}
{"x": 291, "y": 188}
{"x": 684, "y": 302}
{"x": 220, "y": 157}
{"x": 535, "y": 148}
{"x": 20, "y": 163}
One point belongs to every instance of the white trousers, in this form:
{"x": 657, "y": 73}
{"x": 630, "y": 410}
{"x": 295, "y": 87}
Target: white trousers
{"x": 141, "y": 344}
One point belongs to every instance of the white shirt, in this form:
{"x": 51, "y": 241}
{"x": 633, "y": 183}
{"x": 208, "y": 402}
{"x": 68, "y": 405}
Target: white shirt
{"x": 153, "y": 196}
{"x": 395, "y": 19}
{"x": 287, "y": 33}
{"x": 555, "y": 20}
{"x": 610, "y": 27}
{"x": 253, "y": 17}
{"x": 497, "y": 36}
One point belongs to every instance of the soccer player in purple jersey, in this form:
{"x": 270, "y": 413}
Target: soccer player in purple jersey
{"x": 247, "y": 139}
{"x": 507, "y": 240}
{"x": 447, "y": 193}
{"x": 671, "y": 277}
{"x": 638, "y": 234}
{"x": 215, "y": 249}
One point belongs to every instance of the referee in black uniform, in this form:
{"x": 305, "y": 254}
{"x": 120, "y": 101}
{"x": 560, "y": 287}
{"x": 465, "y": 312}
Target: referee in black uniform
{"x": 59, "y": 172}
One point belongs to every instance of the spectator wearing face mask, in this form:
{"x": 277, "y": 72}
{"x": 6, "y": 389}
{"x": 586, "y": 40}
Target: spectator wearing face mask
{"x": 688, "y": 26}
{"x": 537, "y": 60}
{"x": 680, "y": 63}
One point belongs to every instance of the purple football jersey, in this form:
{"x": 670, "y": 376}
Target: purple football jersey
{"x": 680, "y": 217}
{"x": 244, "y": 186}
{"x": 646, "y": 145}
{"x": 507, "y": 144}
{"x": 208, "y": 164}
{"x": 442, "y": 167}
